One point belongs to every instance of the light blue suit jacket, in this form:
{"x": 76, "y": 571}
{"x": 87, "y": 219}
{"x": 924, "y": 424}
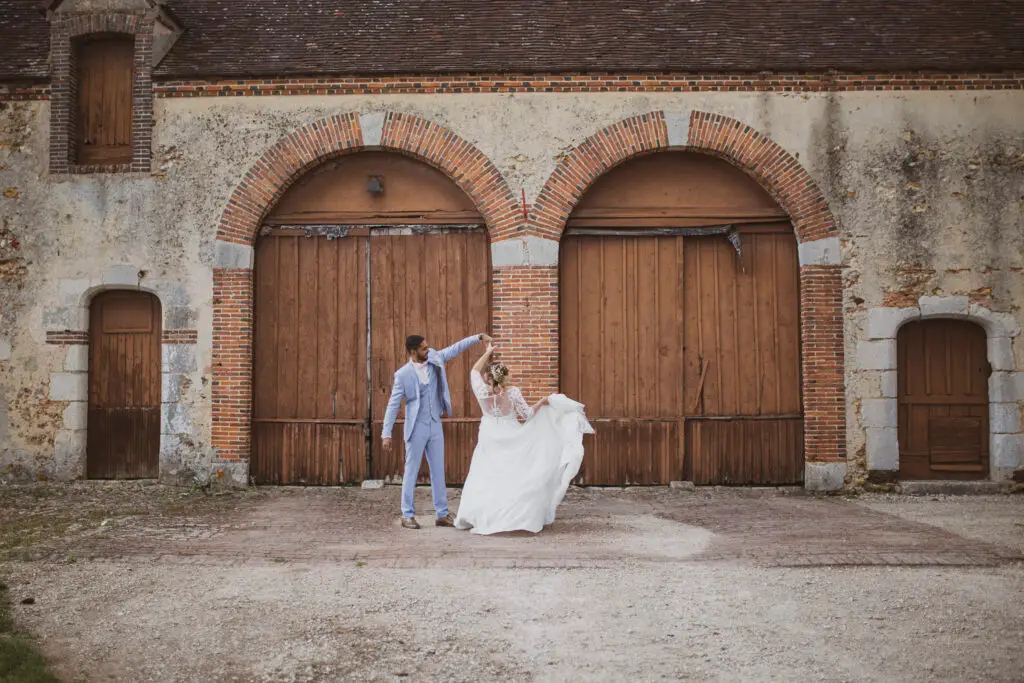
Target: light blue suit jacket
{"x": 407, "y": 386}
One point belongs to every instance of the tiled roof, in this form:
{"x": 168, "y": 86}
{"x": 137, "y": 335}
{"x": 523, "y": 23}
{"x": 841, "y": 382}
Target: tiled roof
{"x": 281, "y": 37}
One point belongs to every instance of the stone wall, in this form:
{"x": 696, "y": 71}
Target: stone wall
{"x": 926, "y": 190}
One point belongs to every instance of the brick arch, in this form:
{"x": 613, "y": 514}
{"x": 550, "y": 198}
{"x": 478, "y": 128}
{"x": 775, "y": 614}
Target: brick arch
{"x": 780, "y": 174}
{"x": 775, "y": 169}
{"x": 263, "y": 185}
{"x": 319, "y": 141}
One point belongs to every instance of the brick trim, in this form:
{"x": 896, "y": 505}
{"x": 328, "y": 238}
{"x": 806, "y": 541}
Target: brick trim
{"x": 67, "y": 337}
{"x": 585, "y": 82}
{"x": 63, "y": 86}
{"x": 180, "y": 337}
{"x": 597, "y": 154}
{"x": 525, "y": 318}
{"x": 821, "y": 334}
{"x": 265, "y": 183}
{"x": 314, "y": 143}
{"x": 556, "y": 83}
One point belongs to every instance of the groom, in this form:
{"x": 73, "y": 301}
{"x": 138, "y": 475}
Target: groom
{"x": 423, "y": 384}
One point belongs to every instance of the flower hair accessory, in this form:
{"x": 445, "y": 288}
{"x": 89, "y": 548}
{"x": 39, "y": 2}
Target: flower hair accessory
{"x": 499, "y": 373}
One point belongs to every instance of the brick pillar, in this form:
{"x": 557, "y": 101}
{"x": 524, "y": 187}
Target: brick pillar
{"x": 821, "y": 320}
{"x": 232, "y": 365}
{"x": 142, "y": 98}
{"x": 525, "y": 303}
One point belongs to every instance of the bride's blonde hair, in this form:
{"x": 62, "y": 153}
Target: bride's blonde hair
{"x": 499, "y": 373}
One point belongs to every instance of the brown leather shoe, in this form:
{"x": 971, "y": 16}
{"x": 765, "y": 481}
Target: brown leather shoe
{"x": 410, "y": 523}
{"x": 447, "y": 520}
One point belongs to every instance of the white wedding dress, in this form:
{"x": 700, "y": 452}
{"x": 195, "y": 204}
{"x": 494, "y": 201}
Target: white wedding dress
{"x": 520, "y": 470}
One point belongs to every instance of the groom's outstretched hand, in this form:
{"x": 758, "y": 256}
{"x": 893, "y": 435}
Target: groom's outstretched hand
{"x": 486, "y": 338}
{"x": 386, "y": 445}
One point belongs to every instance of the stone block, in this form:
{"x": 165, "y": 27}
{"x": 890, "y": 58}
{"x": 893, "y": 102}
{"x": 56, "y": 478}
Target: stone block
{"x": 1005, "y": 418}
{"x": 997, "y": 324}
{"x": 76, "y": 415}
{"x": 1006, "y": 387}
{"x": 172, "y": 293}
{"x": 232, "y": 473}
{"x": 682, "y": 485}
{"x": 5, "y": 349}
{"x": 883, "y": 322}
{"x": 890, "y": 383}
{"x": 231, "y": 255}
{"x": 876, "y": 355}
{"x": 69, "y": 454}
{"x": 1000, "y": 353}
{"x": 180, "y": 318}
{"x": 883, "y": 448}
{"x": 824, "y": 252}
{"x": 372, "y": 125}
{"x": 525, "y": 251}
{"x": 1006, "y": 450}
{"x": 77, "y": 358}
{"x": 176, "y": 418}
{"x": 540, "y": 251}
{"x": 879, "y": 412}
{"x": 944, "y": 306}
{"x": 373, "y": 484}
{"x": 62, "y": 318}
{"x": 71, "y": 291}
{"x": 121, "y": 275}
{"x": 824, "y": 476}
{"x": 179, "y": 358}
{"x": 170, "y": 391}
{"x": 678, "y": 125}
{"x": 69, "y": 386}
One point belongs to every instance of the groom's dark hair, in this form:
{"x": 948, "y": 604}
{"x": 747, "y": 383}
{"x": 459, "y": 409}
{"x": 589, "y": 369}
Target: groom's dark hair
{"x": 412, "y": 342}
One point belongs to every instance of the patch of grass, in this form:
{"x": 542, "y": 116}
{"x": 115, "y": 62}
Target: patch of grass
{"x": 20, "y": 658}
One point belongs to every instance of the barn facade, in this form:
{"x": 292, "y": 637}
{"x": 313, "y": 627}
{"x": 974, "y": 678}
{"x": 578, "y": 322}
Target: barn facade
{"x": 762, "y": 250}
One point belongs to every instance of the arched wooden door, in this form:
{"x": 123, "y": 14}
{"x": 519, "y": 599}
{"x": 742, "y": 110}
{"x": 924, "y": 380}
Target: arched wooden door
{"x": 356, "y": 256}
{"x": 943, "y": 400}
{"x": 123, "y": 438}
{"x": 680, "y": 326}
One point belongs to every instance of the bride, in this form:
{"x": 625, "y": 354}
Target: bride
{"x": 525, "y": 457}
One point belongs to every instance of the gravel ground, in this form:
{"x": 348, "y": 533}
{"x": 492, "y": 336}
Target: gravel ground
{"x": 670, "y": 604}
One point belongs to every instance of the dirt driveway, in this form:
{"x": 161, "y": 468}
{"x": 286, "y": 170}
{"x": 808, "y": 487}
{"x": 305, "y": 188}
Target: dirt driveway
{"x": 136, "y": 582}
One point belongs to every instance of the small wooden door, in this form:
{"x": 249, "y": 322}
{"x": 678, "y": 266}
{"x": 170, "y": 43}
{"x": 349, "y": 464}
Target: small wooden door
{"x": 123, "y": 439}
{"x": 943, "y": 400}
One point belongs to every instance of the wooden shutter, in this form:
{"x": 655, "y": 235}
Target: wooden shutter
{"x": 104, "y": 70}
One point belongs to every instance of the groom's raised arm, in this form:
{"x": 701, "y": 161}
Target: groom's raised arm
{"x": 458, "y": 347}
{"x": 391, "y": 413}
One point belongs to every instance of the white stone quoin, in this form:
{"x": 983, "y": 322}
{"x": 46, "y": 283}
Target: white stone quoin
{"x": 877, "y": 356}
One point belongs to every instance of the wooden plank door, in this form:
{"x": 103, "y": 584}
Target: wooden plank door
{"x": 742, "y": 359}
{"x": 123, "y": 439}
{"x": 310, "y": 411}
{"x": 622, "y": 354}
{"x": 105, "y": 76}
{"x": 436, "y": 284}
{"x": 687, "y": 358}
{"x": 943, "y": 400}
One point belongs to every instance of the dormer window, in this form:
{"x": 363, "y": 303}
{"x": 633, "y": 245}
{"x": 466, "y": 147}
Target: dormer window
{"x": 102, "y": 56}
{"x": 103, "y": 68}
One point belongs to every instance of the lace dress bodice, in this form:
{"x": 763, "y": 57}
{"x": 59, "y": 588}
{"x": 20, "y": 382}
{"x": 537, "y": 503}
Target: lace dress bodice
{"x": 507, "y": 404}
